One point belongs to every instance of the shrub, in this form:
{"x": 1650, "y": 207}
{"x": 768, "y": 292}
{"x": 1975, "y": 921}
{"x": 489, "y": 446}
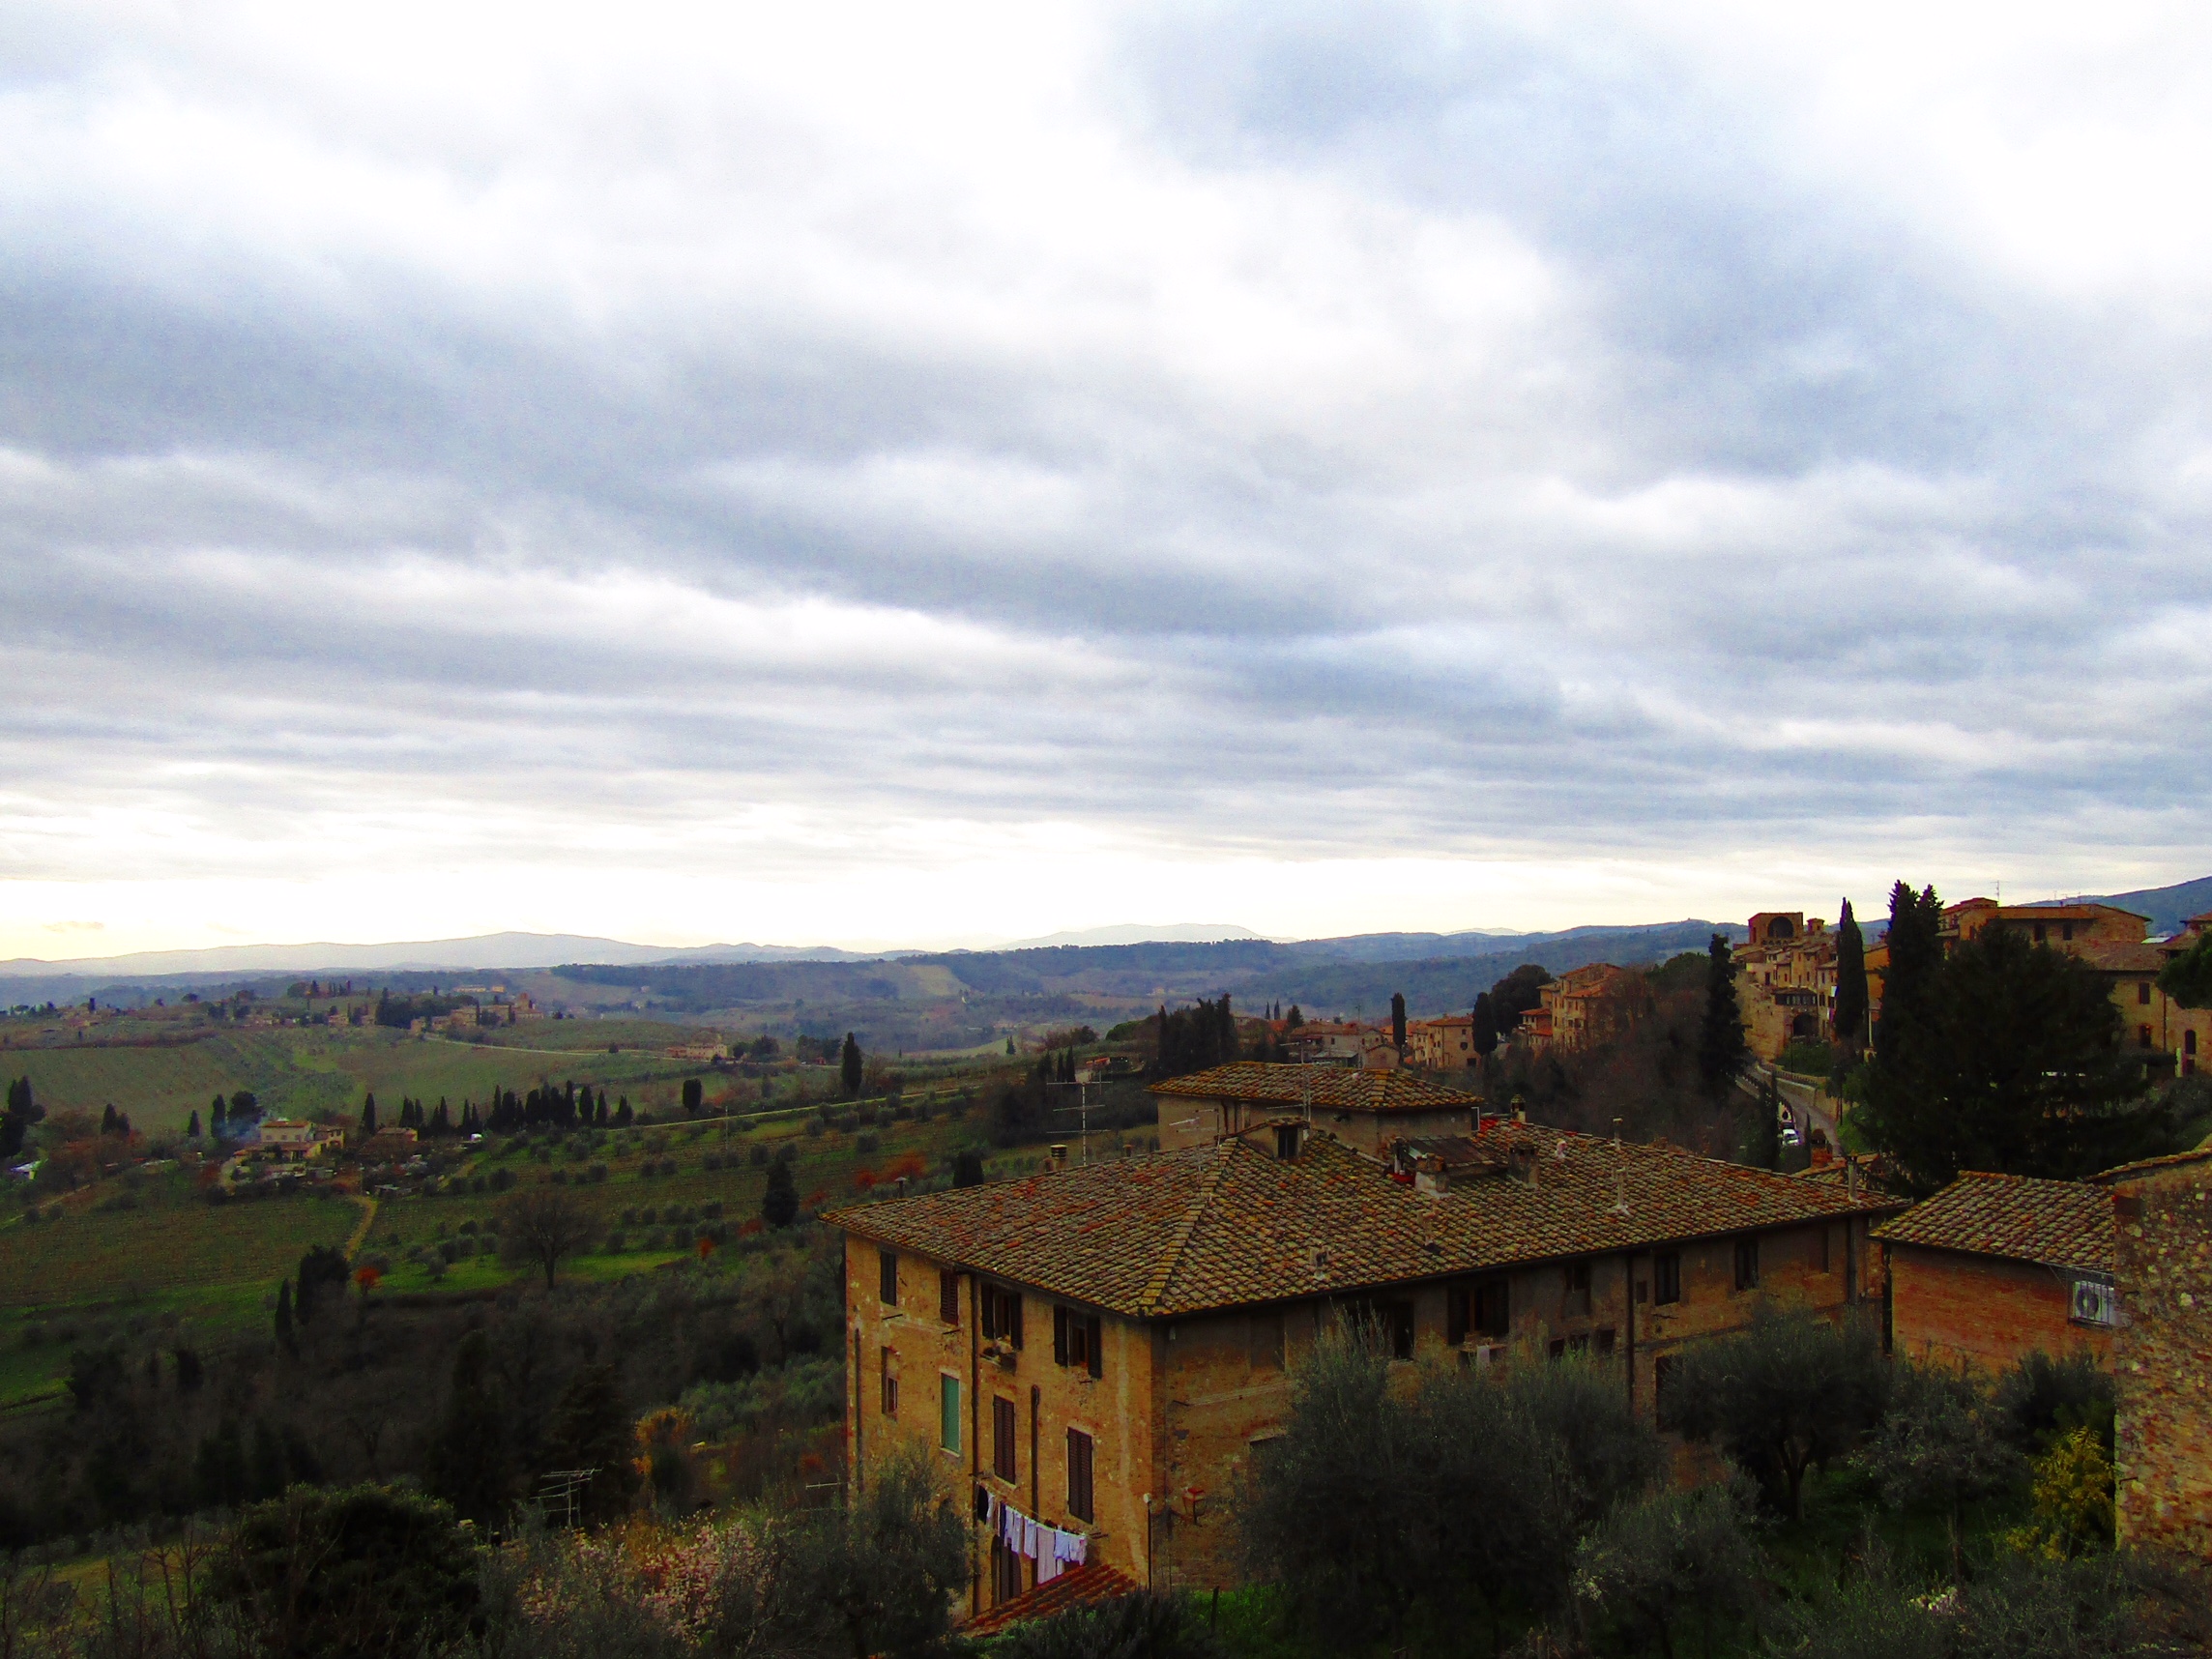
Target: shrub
{"x": 864, "y": 1144}
{"x": 349, "y": 1573}
{"x": 758, "y": 1157}
{"x": 1657, "y": 1560}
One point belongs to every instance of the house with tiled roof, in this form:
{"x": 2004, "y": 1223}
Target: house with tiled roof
{"x": 1101, "y": 1348}
{"x": 1996, "y": 1266}
{"x": 1363, "y": 1108}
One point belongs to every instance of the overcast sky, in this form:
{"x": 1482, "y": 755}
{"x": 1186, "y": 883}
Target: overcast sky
{"x": 941, "y": 474}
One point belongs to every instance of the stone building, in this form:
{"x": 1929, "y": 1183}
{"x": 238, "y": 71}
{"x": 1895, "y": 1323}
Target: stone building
{"x": 1102, "y": 1348}
{"x": 1365, "y": 1109}
{"x": 1996, "y": 1266}
{"x": 1786, "y": 982}
{"x": 1441, "y": 1044}
{"x": 2162, "y": 1351}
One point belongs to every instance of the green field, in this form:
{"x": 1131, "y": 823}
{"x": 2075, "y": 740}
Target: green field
{"x": 298, "y": 1071}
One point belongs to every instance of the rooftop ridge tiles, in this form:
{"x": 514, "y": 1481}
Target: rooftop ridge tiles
{"x": 1154, "y": 1292}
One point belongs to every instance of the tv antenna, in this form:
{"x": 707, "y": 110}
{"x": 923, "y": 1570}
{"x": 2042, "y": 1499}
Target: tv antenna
{"x": 1082, "y": 1110}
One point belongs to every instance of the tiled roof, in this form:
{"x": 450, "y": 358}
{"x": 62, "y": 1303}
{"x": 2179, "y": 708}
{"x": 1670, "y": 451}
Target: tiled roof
{"x": 2058, "y": 1223}
{"x": 2142, "y": 1167}
{"x": 1334, "y": 1088}
{"x": 1079, "y": 1586}
{"x": 1226, "y": 1225}
{"x": 2119, "y": 955}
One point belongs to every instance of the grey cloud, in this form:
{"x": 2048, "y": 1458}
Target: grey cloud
{"x": 1924, "y": 513}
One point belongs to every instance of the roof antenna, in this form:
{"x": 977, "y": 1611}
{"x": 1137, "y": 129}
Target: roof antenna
{"x": 1619, "y": 1173}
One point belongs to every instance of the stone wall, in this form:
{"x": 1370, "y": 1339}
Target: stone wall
{"x": 2163, "y": 1360}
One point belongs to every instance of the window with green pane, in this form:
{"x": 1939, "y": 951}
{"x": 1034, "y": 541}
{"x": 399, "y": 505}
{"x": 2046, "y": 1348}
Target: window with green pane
{"x": 949, "y": 1414}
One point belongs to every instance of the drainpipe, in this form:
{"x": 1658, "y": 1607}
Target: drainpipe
{"x": 1037, "y": 1504}
{"x": 974, "y": 1427}
{"x": 859, "y": 1386}
{"x": 1628, "y": 1301}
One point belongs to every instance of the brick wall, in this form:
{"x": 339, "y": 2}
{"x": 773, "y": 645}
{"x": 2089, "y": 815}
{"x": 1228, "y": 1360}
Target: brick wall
{"x": 2163, "y": 1363}
{"x": 1114, "y": 1408}
{"x": 1983, "y": 1310}
{"x": 1182, "y": 1403}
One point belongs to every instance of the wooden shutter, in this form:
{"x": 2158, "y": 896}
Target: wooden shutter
{"x": 1059, "y": 1334}
{"x": 1095, "y": 1327}
{"x": 1014, "y": 1316}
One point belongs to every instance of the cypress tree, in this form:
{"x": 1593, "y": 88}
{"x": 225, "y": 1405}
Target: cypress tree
{"x": 1721, "y": 1050}
{"x": 1850, "y": 982}
{"x": 1398, "y": 1021}
{"x": 368, "y": 1116}
{"x": 779, "y": 1199}
{"x": 1484, "y": 1033}
{"x": 469, "y": 1459}
{"x": 849, "y": 1065}
{"x": 192, "y": 1125}
{"x": 1915, "y": 952}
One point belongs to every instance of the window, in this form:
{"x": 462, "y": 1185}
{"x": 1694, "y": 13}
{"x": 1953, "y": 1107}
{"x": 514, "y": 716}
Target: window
{"x": 2039, "y": 933}
{"x": 2142, "y": 1036}
{"x": 1577, "y": 1302}
{"x": 1003, "y": 1440}
{"x": 1264, "y": 1337}
{"x": 948, "y": 1296}
{"x": 1398, "y": 1321}
{"x": 1002, "y": 1314}
{"x": 949, "y": 1414}
{"x": 1663, "y": 1395}
{"x": 1747, "y": 1264}
{"x": 2142, "y": 992}
{"x": 1558, "y": 1348}
{"x": 890, "y": 1387}
{"x": 1820, "y": 1250}
{"x": 887, "y": 1264}
{"x": 1605, "y": 1343}
{"x": 1493, "y": 1309}
{"x": 1006, "y": 1572}
{"x": 1079, "y": 1450}
{"x": 1075, "y": 1340}
{"x": 2066, "y": 931}
{"x": 1667, "y": 1276}
{"x": 1287, "y": 1143}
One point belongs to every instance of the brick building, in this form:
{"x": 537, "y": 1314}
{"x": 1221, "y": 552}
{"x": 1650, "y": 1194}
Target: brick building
{"x": 1786, "y": 982}
{"x": 1437, "y": 1044}
{"x": 1996, "y": 1266}
{"x": 1363, "y": 1108}
{"x": 2162, "y": 1351}
{"x": 1101, "y": 1348}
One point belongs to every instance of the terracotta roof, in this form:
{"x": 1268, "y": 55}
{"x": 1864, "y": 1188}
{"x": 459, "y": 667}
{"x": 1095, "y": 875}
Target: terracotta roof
{"x": 2119, "y": 955}
{"x": 1229, "y": 1225}
{"x": 2142, "y": 1167}
{"x": 1326, "y": 1086}
{"x": 2058, "y": 1223}
{"x": 1078, "y": 1586}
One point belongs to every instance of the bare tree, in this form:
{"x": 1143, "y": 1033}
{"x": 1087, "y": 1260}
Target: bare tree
{"x": 541, "y": 1225}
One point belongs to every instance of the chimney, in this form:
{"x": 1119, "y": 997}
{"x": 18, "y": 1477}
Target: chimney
{"x": 1059, "y": 1156}
{"x": 1521, "y": 1162}
{"x": 1431, "y": 1176}
{"x": 1520, "y": 1109}
{"x": 1822, "y": 1157}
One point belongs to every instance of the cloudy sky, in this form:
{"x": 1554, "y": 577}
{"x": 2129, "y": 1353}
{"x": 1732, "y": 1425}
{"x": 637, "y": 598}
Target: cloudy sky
{"x": 928, "y": 474}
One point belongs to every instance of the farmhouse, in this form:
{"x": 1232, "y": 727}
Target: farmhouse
{"x": 1096, "y": 1351}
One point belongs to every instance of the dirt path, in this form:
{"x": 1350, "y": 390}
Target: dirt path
{"x": 360, "y": 1234}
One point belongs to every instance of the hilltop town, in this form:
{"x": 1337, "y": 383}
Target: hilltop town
{"x": 1088, "y": 1280}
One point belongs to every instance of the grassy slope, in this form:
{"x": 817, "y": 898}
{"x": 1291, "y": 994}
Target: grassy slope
{"x": 300, "y": 1070}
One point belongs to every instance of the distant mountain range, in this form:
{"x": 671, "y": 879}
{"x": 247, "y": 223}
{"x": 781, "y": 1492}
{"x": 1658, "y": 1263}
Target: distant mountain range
{"x": 1433, "y": 968}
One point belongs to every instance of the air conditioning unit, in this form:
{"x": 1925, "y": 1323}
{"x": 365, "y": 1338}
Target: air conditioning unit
{"x": 2095, "y": 1303}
